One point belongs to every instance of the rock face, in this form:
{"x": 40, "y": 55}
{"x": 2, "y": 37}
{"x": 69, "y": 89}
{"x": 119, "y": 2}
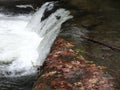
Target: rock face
{"x": 94, "y": 5}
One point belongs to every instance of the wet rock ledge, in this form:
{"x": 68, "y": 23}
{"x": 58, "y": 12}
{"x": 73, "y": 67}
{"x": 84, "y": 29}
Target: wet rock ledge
{"x": 65, "y": 69}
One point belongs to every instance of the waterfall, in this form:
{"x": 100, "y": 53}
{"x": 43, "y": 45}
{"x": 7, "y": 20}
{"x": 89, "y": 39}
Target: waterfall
{"x": 27, "y": 41}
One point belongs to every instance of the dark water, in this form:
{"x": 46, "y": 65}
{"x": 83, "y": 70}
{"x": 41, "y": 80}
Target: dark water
{"x": 13, "y": 10}
{"x": 17, "y": 83}
{"x": 103, "y": 25}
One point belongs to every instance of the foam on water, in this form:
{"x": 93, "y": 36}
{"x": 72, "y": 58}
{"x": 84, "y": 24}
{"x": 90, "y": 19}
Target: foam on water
{"x": 25, "y": 41}
{"x": 24, "y": 6}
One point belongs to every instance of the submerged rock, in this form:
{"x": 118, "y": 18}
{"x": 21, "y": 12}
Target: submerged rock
{"x": 65, "y": 69}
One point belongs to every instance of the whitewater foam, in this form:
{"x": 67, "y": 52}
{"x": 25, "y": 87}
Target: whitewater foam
{"x": 25, "y": 41}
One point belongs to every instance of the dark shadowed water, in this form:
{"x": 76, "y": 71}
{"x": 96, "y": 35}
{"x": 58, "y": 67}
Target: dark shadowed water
{"x": 17, "y": 83}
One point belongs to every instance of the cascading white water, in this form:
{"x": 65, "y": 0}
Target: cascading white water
{"x": 25, "y": 43}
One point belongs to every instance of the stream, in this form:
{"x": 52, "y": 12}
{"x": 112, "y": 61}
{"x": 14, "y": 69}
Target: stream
{"x": 107, "y": 30}
{"x": 26, "y": 40}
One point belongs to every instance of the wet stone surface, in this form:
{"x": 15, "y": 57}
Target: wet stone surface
{"x": 74, "y": 73}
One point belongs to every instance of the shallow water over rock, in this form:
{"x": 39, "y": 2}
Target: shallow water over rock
{"x": 101, "y": 23}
